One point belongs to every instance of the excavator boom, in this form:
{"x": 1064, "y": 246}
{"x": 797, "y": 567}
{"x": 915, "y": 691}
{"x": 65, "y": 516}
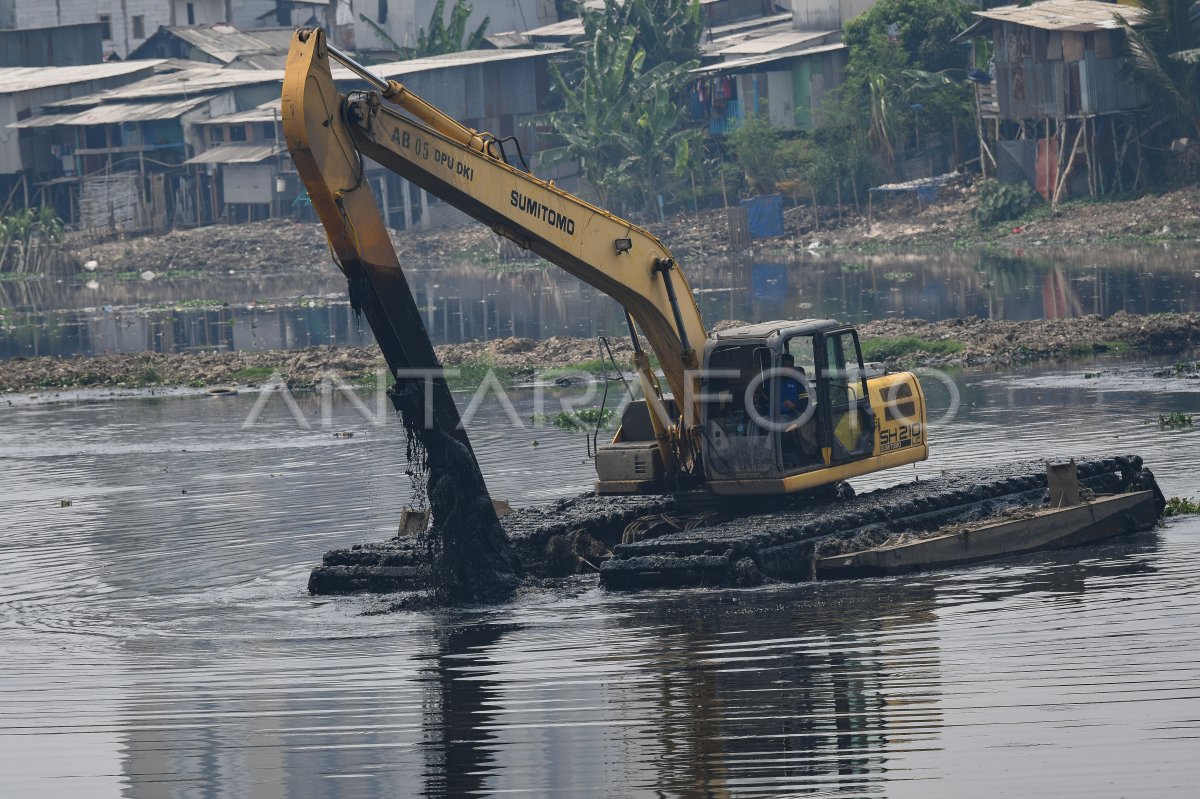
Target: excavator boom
{"x": 467, "y": 170}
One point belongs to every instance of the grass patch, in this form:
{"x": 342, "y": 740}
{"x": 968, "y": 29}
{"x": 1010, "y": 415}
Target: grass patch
{"x": 529, "y": 266}
{"x": 1086, "y": 349}
{"x": 882, "y": 349}
{"x": 477, "y": 254}
{"x": 252, "y": 374}
{"x": 149, "y": 376}
{"x": 1180, "y": 369}
{"x": 170, "y": 274}
{"x": 19, "y": 277}
{"x": 854, "y": 267}
{"x": 1175, "y": 420}
{"x": 1178, "y": 506}
{"x": 581, "y": 419}
{"x": 200, "y": 304}
{"x": 471, "y": 374}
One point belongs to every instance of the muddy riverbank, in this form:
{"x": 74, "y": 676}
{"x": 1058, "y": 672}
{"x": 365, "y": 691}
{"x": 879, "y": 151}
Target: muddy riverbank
{"x": 899, "y": 342}
{"x": 288, "y": 246}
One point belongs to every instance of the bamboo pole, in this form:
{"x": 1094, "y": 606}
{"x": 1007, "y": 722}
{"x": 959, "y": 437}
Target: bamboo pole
{"x": 979, "y": 131}
{"x": 1087, "y": 155}
{"x": 1062, "y": 178}
{"x": 1137, "y": 176}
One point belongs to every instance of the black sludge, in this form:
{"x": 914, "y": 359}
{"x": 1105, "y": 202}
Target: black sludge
{"x": 465, "y": 555}
{"x": 469, "y": 556}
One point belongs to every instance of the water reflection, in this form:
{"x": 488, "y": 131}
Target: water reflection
{"x": 466, "y": 303}
{"x": 789, "y": 691}
{"x": 165, "y": 640}
{"x": 456, "y": 720}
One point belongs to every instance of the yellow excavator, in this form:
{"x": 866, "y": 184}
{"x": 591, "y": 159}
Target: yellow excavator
{"x": 768, "y": 408}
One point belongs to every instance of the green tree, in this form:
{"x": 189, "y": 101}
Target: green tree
{"x": 1164, "y": 55}
{"x": 621, "y": 115}
{"x": 755, "y": 146}
{"x": 668, "y": 30}
{"x": 901, "y": 53}
{"x": 439, "y": 38}
{"x": 25, "y": 237}
{"x": 442, "y": 38}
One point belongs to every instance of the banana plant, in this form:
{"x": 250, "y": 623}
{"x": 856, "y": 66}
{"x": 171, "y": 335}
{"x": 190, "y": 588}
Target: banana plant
{"x": 1164, "y": 56}
{"x": 621, "y": 117}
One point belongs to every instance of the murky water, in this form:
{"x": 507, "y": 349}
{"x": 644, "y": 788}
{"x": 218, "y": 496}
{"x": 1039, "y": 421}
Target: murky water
{"x": 96, "y": 314}
{"x": 157, "y": 640}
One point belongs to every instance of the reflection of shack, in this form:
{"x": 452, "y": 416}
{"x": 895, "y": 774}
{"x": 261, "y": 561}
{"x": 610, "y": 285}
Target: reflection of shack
{"x": 1054, "y": 108}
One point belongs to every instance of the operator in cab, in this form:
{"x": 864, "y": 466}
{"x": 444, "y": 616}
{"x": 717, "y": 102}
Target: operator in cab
{"x": 793, "y": 397}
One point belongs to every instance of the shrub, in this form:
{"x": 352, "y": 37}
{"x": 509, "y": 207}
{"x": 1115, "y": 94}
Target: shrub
{"x": 1000, "y": 202}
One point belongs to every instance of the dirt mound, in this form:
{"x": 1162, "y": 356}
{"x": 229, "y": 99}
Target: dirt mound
{"x": 908, "y": 342}
{"x": 285, "y": 245}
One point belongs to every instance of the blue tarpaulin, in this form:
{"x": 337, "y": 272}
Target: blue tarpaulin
{"x": 764, "y": 216}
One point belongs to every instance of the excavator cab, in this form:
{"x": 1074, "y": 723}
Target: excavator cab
{"x": 783, "y": 407}
{"x": 787, "y": 406}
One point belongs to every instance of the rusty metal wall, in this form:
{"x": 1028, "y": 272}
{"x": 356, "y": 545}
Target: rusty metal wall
{"x": 1030, "y": 87}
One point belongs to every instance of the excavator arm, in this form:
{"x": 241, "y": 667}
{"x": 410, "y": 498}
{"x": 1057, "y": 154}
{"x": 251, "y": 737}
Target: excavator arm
{"x": 329, "y": 135}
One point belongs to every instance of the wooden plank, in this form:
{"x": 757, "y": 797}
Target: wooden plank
{"x": 1072, "y": 46}
{"x": 1047, "y": 529}
{"x": 1054, "y": 46}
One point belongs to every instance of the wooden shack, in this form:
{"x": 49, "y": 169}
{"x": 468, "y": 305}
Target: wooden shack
{"x": 1055, "y": 105}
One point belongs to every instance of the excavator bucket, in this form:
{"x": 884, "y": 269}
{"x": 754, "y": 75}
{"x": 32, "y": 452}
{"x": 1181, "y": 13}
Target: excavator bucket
{"x": 472, "y": 558}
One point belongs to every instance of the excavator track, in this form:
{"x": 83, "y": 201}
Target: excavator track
{"x": 647, "y": 542}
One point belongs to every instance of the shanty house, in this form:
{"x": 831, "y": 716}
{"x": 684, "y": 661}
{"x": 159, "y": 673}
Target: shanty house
{"x": 786, "y": 88}
{"x": 124, "y": 23}
{"x": 383, "y": 24}
{"x": 765, "y": 67}
{"x": 26, "y": 156}
{"x": 119, "y": 151}
{"x": 60, "y": 46}
{"x": 1052, "y": 93}
{"x": 245, "y": 158}
{"x": 220, "y": 44}
{"x": 246, "y": 174}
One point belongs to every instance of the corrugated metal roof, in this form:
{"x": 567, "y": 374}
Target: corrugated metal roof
{"x": 736, "y": 64}
{"x": 464, "y": 58}
{"x": 258, "y": 61}
{"x": 199, "y": 79}
{"x": 557, "y": 31}
{"x": 754, "y": 23}
{"x": 775, "y": 42}
{"x": 507, "y": 39}
{"x": 116, "y": 113}
{"x": 223, "y": 42}
{"x": 209, "y": 78}
{"x": 25, "y": 79}
{"x": 236, "y": 154}
{"x": 1065, "y": 15}
{"x": 267, "y": 112}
